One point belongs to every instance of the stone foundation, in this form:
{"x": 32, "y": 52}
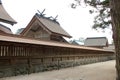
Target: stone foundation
{"x": 22, "y": 69}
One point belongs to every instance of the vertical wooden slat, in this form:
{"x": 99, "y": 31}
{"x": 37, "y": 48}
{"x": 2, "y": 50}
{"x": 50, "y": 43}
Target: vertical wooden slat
{"x": 24, "y": 50}
{"x": 9, "y": 50}
{"x": 7, "y": 53}
{"x": 20, "y": 54}
{"x": 15, "y": 51}
{"x": 4, "y": 50}
{"x": 29, "y": 51}
{"x": 0, "y": 50}
{"x": 21, "y": 51}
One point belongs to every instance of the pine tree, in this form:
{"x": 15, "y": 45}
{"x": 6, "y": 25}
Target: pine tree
{"x": 109, "y": 14}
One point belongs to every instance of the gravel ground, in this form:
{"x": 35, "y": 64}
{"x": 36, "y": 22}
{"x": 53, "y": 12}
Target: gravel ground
{"x": 96, "y": 71}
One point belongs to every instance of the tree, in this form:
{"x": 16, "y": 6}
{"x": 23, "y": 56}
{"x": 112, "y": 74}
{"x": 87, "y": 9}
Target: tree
{"x": 101, "y": 7}
{"x": 115, "y": 15}
{"x": 109, "y": 14}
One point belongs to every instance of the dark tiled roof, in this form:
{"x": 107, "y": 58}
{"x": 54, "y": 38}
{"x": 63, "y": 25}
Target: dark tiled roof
{"x": 4, "y": 16}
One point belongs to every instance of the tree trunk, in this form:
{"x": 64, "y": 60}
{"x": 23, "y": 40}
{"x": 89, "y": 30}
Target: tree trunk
{"x": 115, "y": 15}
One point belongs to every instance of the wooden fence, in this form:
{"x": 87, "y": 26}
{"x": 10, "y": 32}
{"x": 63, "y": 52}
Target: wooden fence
{"x": 23, "y": 58}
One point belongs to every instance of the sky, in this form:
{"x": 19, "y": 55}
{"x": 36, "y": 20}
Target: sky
{"x": 77, "y": 22}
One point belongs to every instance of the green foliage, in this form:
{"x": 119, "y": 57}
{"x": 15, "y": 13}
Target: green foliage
{"x": 101, "y": 8}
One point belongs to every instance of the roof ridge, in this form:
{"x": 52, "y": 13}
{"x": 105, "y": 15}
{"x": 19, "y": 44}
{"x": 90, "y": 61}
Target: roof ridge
{"x": 48, "y": 18}
{"x": 95, "y": 37}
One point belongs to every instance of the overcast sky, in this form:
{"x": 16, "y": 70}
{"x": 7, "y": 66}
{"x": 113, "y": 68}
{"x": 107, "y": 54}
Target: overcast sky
{"x": 77, "y": 22}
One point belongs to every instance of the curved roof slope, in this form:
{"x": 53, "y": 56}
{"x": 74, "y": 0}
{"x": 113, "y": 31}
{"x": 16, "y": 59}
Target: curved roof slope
{"x": 4, "y": 16}
{"x": 50, "y": 25}
{"x": 5, "y": 29}
{"x": 53, "y": 26}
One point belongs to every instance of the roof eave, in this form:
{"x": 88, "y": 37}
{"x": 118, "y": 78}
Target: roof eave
{"x": 19, "y": 39}
{"x": 62, "y": 35}
{"x": 6, "y": 21}
{"x": 5, "y": 17}
{"x": 28, "y": 26}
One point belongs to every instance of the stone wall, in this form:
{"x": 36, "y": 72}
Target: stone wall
{"x": 21, "y": 69}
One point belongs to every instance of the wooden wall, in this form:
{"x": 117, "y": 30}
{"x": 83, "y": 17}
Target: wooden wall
{"x": 38, "y": 33}
{"x": 19, "y": 58}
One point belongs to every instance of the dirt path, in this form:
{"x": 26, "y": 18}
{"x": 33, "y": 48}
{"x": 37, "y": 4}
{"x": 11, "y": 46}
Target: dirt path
{"x": 97, "y": 71}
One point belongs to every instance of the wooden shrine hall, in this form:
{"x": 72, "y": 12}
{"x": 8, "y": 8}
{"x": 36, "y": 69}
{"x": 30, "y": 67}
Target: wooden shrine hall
{"x": 44, "y": 28}
{"x": 41, "y": 47}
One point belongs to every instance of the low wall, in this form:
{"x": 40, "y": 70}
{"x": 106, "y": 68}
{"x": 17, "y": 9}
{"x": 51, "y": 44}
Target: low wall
{"x": 38, "y": 66}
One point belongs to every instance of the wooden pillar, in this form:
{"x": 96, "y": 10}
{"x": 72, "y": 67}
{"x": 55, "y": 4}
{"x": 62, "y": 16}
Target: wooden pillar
{"x": 29, "y": 66}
